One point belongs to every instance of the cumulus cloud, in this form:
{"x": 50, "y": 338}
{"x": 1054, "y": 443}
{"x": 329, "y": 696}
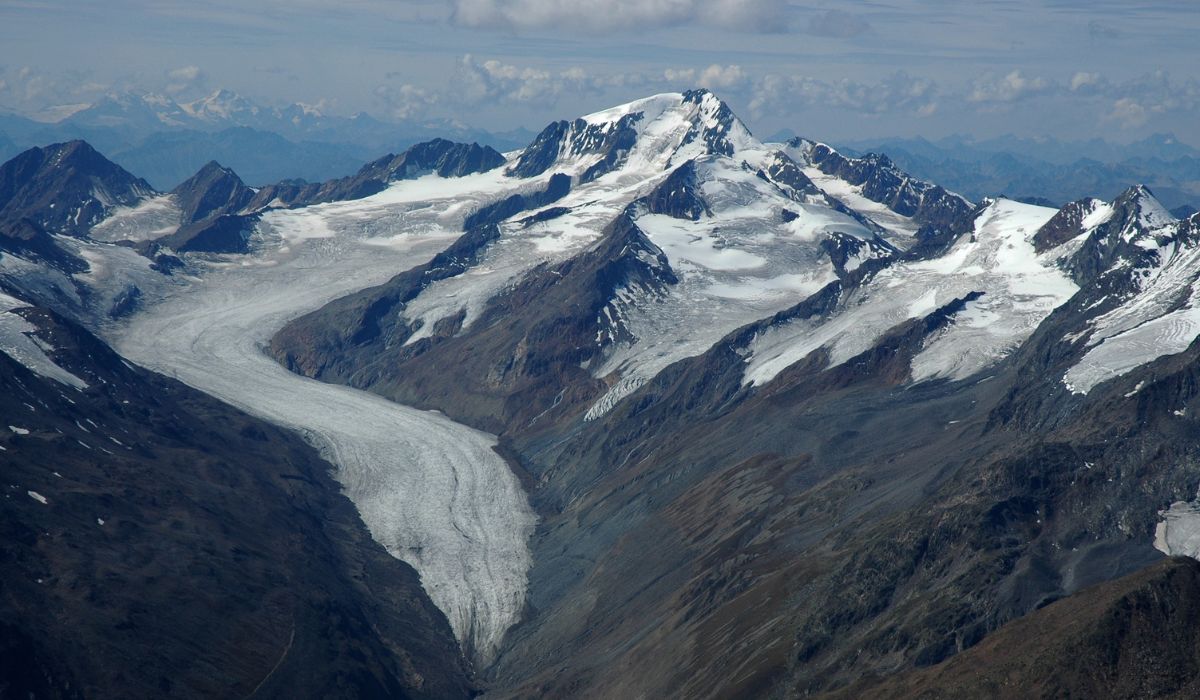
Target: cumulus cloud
{"x": 621, "y": 15}
{"x": 496, "y": 81}
{"x": 716, "y": 77}
{"x": 1128, "y": 113}
{"x": 406, "y": 101}
{"x": 1008, "y": 88}
{"x": 184, "y": 78}
{"x": 1084, "y": 81}
{"x": 28, "y": 90}
{"x": 898, "y": 92}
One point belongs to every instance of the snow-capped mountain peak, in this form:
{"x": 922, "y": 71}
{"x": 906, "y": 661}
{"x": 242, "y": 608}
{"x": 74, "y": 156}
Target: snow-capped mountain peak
{"x": 221, "y": 105}
{"x": 646, "y": 137}
{"x": 1146, "y": 213}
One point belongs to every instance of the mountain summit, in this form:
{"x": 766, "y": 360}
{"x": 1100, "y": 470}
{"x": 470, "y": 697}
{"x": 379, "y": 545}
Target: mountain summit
{"x": 644, "y": 136}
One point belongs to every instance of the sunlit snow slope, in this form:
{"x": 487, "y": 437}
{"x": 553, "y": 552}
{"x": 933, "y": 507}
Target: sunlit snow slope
{"x": 433, "y": 492}
{"x": 1019, "y": 289}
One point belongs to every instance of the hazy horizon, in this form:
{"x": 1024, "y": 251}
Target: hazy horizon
{"x": 1059, "y": 68}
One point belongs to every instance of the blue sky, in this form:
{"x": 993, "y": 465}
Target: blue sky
{"x": 842, "y": 70}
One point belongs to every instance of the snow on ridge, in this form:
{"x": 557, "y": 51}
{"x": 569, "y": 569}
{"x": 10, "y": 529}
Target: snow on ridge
{"x": 153, "y": 217}
{"x": 742, "y": 263}
{"x": 899, "y": 225}
{"x": 1099, "y": 213}
{"x": 1151, "y": 323}
{"x": 1020, "y": 288}
{"x": 19, "y": 341}
{"x": 671, "y": 129}
{"x": 1151, "y": 212}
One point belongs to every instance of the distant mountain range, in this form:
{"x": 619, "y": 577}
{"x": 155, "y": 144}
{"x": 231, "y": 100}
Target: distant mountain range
{"x": 1055, "y": 171}
{"x": 167, "y": 141}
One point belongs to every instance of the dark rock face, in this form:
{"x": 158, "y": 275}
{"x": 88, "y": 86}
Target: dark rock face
{"x": 784, "y": 171}
{"x": 27, "y": 239}
{"x": 1116, "y": 239}
{"x": 446, "y": 158}
{"x": 541, "y": 154}
{"x": 528, "y": 352}
{"x": 186, "y": 549}
{"x": 214, "y": 217}
{"x": 716, "y": 137}
{"x": 224, "y": 233}
{"x": 1065, "y": 225}
{"x": 1131, "y": 638}
{"x": 492, "y": 214}
{"x": 679, "y": 195}
{"x": 578, "y": 138}
{"x": 65, "y": 188}
{"x": 212, "y": 192}
{"x": 842, "y": 248}
{"x": 881, "y": 181}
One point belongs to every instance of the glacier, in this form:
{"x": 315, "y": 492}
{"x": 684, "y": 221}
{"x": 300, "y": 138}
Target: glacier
{"x": 433, "y": 492}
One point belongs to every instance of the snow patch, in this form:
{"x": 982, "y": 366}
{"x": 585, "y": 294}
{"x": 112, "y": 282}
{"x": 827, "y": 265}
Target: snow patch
{"x": 19, "y": 341}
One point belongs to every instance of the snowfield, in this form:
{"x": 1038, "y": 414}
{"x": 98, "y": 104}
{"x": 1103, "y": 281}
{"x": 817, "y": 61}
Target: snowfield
{"x": 152, "y": 218}
{"x": 1160, "y": 319}
{"x": 433, "y": 492}
{"x": 1020, "y": 289}
{"x": 740, "y": 264}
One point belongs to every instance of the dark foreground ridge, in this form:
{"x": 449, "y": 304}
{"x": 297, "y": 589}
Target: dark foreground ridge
{"x": 1136, "y": 637}
{"x": 185, "y": 549}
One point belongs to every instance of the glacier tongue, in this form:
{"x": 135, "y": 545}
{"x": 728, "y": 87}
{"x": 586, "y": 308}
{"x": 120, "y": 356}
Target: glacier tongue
{"x": 431, "y": 491}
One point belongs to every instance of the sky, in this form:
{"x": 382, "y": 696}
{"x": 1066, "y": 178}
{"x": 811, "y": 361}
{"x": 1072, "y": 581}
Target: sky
{"x": 854, "y": 69}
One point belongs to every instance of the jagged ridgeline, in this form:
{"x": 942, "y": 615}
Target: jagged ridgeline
{"x": 651, "y": 408}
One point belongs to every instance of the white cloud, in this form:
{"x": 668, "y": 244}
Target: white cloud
{"x": 184, "y": 78}
{"x": 1128, "y": 113}
{"x": 717, "y": 77}
{"x": 31, "y": 91}
{"x": 898, "y": 92}
{"x": 405, "y": 101}
{"x": 1083, "y": 80}
{"x": 1009, "y": 88}
{"x": 496, "y": 81}
{"x": 620, "y": 15}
